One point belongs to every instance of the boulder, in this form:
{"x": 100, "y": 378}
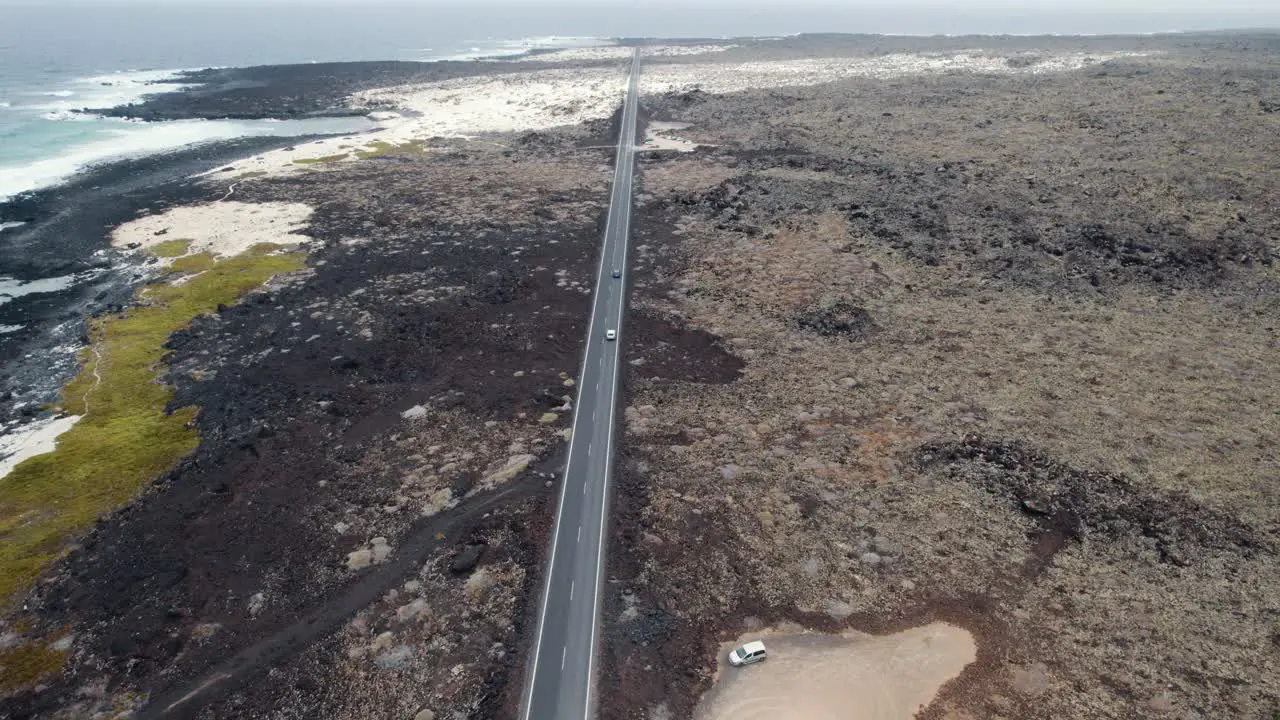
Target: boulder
{"x": 841, "y": 318}
{"x": 359, "y": 559}
{"x": 382, "y": 642}
{"x": 417, "y": 412}
{"x": 407, "y": 612}
{"x": 381, "y": 551}
{"x": 837, "y": 609}
{"x": 479, "y": 584}
{"x": 515, "y": 465}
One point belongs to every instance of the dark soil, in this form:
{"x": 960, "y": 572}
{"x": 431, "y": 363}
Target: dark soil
{"x": 839, "y": 319}
{"x": 298, "y": 434}
{"x": 778, "y": 457}
{"x": 1075, "y": 504}
{"x": 664, "y": 349}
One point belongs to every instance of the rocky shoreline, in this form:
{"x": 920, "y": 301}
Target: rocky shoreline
{"x": 285, "y": 92}
{"x": 65, "y": 233}
{"x": 918, "y": 333}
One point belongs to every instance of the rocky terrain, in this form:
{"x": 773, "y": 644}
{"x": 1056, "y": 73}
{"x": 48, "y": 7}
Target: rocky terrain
{"x": 974, "y": 330}
{"x": 995, "y": 349}
{"x": 378, "y": 435}
{"x": 288, "y": 91}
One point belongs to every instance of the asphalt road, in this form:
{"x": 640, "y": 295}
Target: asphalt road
{"x": 561, "y": 677}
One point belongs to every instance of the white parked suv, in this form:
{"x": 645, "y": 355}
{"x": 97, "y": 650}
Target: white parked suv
{"x": 752, "y": 652}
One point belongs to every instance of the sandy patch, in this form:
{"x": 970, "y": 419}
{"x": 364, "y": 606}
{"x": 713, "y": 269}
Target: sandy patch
{"x": 734, "y": 77}
{"x": 541, "y": 99}
{"x": 677, "y": 50}
{"x": 221, "y": 228}
{"x": 617, "y": 52}
{"x": 318, "y": 155}
{"x": 842, "y": 677}
{"x": 36, "y": 438}
{"x": 459, "y": 108}
{"x": 606, "y": 52}
{"x": 511, "y": 102}
{"x": 663, "y": 136}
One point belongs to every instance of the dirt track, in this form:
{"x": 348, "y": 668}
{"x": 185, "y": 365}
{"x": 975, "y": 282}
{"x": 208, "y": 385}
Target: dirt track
{"x": 435, "y": 285}
{"x": 996, "y": 350}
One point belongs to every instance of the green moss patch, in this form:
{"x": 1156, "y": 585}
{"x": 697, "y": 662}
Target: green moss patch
{"x": 378, "y": 147}
{"x": 192, "y": 264}
{"x": 325, "y": 159}
{"x": 124, "y": 437}
{"x": 25, "y": 665}
{"x": 170, "y": 248}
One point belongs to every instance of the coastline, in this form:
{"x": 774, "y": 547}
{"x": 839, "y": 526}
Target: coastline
{"x": 55, "y": 237}
{"x": 65, "y": 234}
{"x": 359, "y": 408}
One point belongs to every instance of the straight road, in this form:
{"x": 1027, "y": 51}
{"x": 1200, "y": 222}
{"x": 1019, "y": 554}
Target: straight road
{"x": 560, "y": 678}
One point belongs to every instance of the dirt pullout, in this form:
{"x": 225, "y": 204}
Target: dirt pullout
{"x": 854, "y": 676}
{"x": 1002, "y": 358}
{"x": 346, "y": 411}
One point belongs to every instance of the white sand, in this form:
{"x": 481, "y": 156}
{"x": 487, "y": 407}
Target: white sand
{"x": 511, "y": 102}
{"x": 460, "y": 108}
{"x": 617, "y": 52}
{"x": 33, "y": 439}
{"x": 840, "y": 677}
{"x": 734, "y": 77}
{"x": 674, "y": 50}
{"x": 607, "y": 52}
{"x": 222, "y": 228}
{"x": 542, "y": 99}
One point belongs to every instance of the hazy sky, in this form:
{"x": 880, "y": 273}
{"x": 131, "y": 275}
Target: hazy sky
{"x": 1025, "y": 6}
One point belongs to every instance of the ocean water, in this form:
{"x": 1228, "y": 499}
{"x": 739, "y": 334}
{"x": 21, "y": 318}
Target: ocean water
{"x": 58, "y": 57}
{"x": 56, "y": 61}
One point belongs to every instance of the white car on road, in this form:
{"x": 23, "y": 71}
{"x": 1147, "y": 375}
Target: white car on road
{"x": 610, "y": 334}
{"x": 752, "y": 652}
